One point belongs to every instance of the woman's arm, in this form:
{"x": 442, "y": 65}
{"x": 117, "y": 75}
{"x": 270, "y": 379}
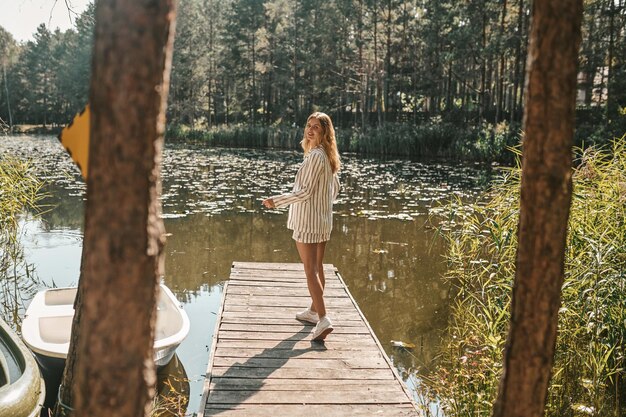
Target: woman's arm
{"x": 312, "y": 168}
{"x": 336, "y": 186}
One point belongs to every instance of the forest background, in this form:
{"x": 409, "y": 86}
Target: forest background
{"x": 422, "y": 78}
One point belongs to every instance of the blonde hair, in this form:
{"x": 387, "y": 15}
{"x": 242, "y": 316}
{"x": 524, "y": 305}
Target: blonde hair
{"x": 328, "y": 141}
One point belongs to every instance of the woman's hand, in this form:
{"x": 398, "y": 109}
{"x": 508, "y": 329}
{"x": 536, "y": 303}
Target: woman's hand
{"x": 269, "y": 203}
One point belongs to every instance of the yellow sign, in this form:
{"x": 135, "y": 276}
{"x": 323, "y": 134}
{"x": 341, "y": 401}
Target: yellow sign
{"x": 75, "y": 139}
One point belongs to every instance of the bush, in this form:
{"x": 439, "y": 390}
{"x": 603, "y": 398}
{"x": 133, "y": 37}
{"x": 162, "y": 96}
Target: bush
{"x": 588, "y": 375}
{"x": 19, "y": 191}
{"x": 240, "y": 136}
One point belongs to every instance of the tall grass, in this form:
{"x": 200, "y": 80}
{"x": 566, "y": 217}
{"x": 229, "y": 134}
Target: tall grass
{"x": 588, "y": 375}
{"x": 436, "y": 139}
{"x": 240, "y": 136}
{"x": 20, "y": 190}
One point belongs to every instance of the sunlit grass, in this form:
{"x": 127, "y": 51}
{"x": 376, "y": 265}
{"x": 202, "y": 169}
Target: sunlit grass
{"x": 20, "y": 190}
{"x": 588, "y": 376}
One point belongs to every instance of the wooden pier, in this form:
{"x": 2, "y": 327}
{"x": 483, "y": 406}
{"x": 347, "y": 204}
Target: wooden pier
{"x": 263, "y": 363}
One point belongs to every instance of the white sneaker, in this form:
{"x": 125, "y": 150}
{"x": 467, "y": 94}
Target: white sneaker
{"x": 308, "y": 315}
{"x": 323, "y": 328}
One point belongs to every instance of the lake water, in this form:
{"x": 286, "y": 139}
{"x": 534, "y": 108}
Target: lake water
{"x": 383, "y": 243}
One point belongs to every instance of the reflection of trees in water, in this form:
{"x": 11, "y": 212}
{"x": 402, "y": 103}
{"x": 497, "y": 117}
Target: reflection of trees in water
{"x": 387, "y": 265}
{"x": 172, "y": 396}
{"x": 201, "y": 249}
{"x": 62, "y": 209}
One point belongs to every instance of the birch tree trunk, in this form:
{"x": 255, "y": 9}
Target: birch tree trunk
{"x": 546, "y": 190}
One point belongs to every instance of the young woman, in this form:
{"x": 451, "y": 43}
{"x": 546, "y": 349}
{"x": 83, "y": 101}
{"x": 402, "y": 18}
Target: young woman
{"x": 311, "y": 212}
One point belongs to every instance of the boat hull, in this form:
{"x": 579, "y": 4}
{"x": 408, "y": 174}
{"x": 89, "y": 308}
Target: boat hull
{"x": 22, "y": 390}
{"x": 47, "y": 325}
{"x": 52, "y": 372}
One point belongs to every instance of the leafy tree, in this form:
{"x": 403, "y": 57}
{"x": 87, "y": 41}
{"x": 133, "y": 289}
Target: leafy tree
{"x": 8, "y": 53}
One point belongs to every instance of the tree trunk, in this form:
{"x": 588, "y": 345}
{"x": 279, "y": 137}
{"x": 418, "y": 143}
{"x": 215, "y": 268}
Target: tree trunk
{"x": 296, "y": 46}
{"x": 211, "y": 75}
{"x": 253, "y": 96}
{"x": 110, "y": 364}
{"x": 6, "y": 89}
{"x": 546, "y": 190}
{"x": 483, "y": 70}
{"x": 518, "y": 61}
{"x": 387, "y": 86}
{"x": 609, "y": 87}
{"x": 379, "y": 93}
{"x": 362, "y": 77}
{"x": 525, "y": 34}
{"x": 500, "y": 78}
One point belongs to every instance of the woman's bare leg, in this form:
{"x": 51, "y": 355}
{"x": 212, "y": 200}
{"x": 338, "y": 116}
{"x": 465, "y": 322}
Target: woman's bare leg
{"x": 308, "y": 254}
{"x": 321, "y": 247}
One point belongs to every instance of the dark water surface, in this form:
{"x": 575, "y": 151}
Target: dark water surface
{"x": 382, "y": 243}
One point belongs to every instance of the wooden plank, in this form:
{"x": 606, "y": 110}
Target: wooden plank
{"x": 303, "y": 344}
{"x": 276, "y": 266}
{"x": 287, "y": 314}
{"x": 296, "y": 274}
{"x": 296, "y": 362}
{"x": 288, "y": 384}
{"x": 284, "y": 336}
{"x": 338, "y": 396}
{"x": 246, "y": 352}
{"x": 272, "y": 279}
{"x": 273, "y": 309}
{"x": 263, "y": 362}
{"x": 268, "y": 283}
{"x": 255, "y": 291}
{"x": 263, "y": 373}
{"x": 287, "y": 301}
{"x": 285, "y": 292}
{"x": 337, "y": 410}
{"x": 289, "y": 328}
{"x": 287, "y": 320}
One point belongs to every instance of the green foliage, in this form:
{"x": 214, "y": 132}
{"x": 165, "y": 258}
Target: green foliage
{"x": 434, "y": 140}
{"x": 46, "y": 80}
{"x": 590, "y": 356}
{"x": 451, "y": 71}
{"x": 20, "y": 190}
{"x": 243, "y": 136}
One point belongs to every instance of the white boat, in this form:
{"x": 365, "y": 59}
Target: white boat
{"x": 47, "y": 325}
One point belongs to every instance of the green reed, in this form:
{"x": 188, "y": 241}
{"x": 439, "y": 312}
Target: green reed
{"x": 20, "y": 190}
{"x": 240, "y": 136}
{"x": 435, "y": 139}
{"x": 588, "y": 375}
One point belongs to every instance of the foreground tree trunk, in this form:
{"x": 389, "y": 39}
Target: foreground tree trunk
{"x": 110, "y": 366}
{"x": 546, "y": 190}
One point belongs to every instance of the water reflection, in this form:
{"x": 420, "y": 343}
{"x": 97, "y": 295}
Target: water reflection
{"x": 172, "y": 390}
{"x": 381, "y": 244}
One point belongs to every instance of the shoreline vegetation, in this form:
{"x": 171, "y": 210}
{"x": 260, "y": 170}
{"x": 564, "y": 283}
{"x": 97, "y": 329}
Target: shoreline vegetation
{"x": 434, "y": 139}
{"x": 486, "y": 143}
{"x": 20, "y": 191}
{"x": 590, "y": 360}
{"x": 428, "y": 140}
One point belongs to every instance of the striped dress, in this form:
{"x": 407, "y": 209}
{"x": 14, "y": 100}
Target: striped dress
{"x": 311, "y": 199}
